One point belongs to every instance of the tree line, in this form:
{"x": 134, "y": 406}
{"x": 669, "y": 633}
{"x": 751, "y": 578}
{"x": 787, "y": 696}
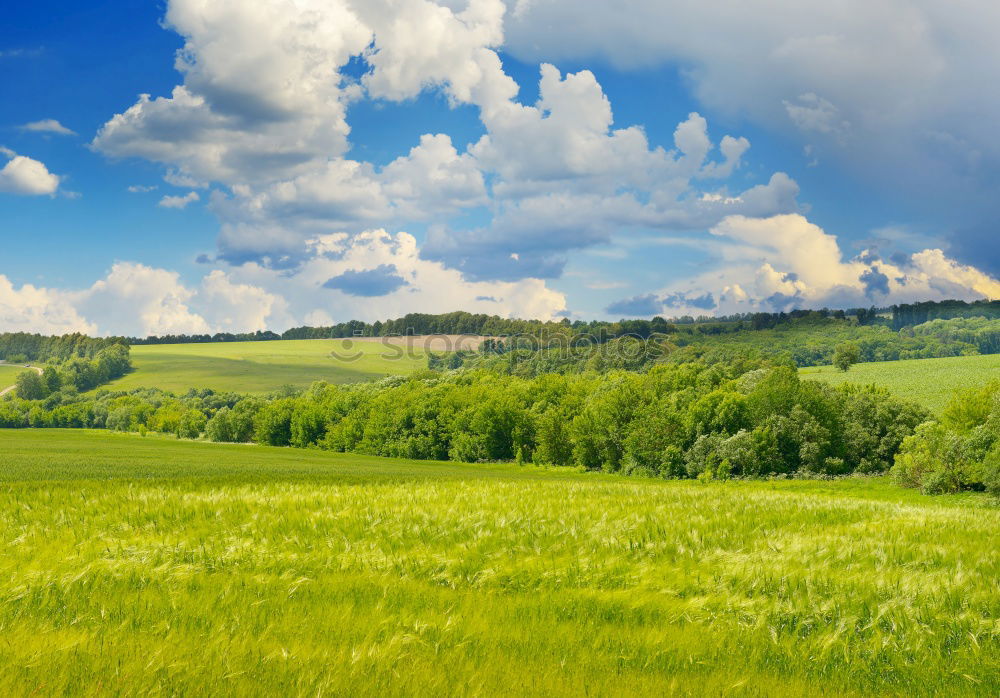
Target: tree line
{"x": 75, "y": 375}
{"x": 736, "y": 418}
{"x": 22, "y": 347}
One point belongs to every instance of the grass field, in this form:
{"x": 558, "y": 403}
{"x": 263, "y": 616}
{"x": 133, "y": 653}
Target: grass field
{"x": 136, "y": 566}
{"x": 257, "y": 367}
{"x": 8, "y": 374}
{"x": 930, "y": 382}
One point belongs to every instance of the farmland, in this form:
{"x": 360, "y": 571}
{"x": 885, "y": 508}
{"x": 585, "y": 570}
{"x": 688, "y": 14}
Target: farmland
{"x": 8, "y": 374}
{"x": 930, "y": 382}
{"x": 145, "y": 565}
{"x": 258, "y": 367}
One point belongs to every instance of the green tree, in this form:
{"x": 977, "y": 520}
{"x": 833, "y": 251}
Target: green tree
{"x": 220, "y": 426}
{"x": 50, "y": 376}
{"x": 845, "y": 355}
{"x": 30, "y": 386}
{"x": 273, "y": 423}
{"x": 191, "y": 424}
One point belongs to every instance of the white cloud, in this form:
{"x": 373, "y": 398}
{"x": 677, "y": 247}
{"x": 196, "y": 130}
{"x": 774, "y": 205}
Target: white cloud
{"x": 24, "y": 175}
{"x": 42, "y": 310}
{"x": 137, "y": 299}
{"x": 179, "y": 179}
{"x": 421, "y": 44}
{"x": 179, "y": 201}
{"x": 427, "y": 286}
{"x": 261, "y": 98}
{"x": 48, "y": 126}
{"x": 141, "y": 188}
{"x": 236, "y": 307}
{"x": 785, "y": 262}
{"x": 894, "y": 74}
{"x": 265, "y": 118}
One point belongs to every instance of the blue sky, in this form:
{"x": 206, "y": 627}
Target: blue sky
{"x": 318, "y": 161}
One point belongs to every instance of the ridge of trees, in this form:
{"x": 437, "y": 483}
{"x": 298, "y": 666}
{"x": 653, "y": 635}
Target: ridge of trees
{"x": 741, "y": 417}
{"x": 461, "y": 322}
{"x": 74, "y": 375}
{"x": 21, "y": 347}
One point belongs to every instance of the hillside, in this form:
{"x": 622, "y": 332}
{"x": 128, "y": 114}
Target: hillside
{"x": 258, "y": 367}
{"x": 8, "y": 374}
{"x": 930, "y": 382}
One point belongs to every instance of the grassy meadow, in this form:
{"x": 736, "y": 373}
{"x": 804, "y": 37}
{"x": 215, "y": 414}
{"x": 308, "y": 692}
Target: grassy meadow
{"x": 259, "y": 367}
{"x": 150, "y": 565}
{"x": 8, "y": 374}
{"x": 931, "y": 382}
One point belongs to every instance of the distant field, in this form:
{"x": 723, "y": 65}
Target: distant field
{"x": 149, "y": 565}
{"x": 8, "y": 374}
{"x": 930, "y": 382}
{"x": 256, "y": 367}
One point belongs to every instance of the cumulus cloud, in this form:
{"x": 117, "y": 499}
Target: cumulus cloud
{"x": 48, "y": 126}
{"x": 230, "y": 306}
{"x": 26, "y": 176}
{"x": 33, "y": 309}
{"x": 137, "y": 299}
{"x": 386, "y": 270}
{"x": 785, "y": 262}
{"x": 883, "y": 88}
{"x": 179, "y": 201}
{"x": 262, "y": 112}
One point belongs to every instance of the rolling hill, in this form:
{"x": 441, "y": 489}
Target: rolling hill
{"x": 930, "y": 382}
{"x": 258, "y": 367}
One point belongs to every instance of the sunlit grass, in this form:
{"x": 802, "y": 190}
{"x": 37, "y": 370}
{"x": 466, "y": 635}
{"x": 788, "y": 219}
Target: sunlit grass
{"x": 256, "y": 367}
{"x": 8, "y": 374}
{"x": 930, "y": 382}
{"x": 142, "y": 566}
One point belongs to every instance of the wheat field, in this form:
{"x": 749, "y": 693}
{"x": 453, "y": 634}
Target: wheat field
{"x": 137, "y": 566}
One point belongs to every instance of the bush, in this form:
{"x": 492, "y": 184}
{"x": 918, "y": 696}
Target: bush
{"x": 273, "y": 423}
{"x": 846, "y": 355}
{"x": 191, "y": 424}
{"x": 30, "y": 386}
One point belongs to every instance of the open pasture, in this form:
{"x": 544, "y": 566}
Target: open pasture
{"x": 8, "y": 374}
{"x": 931, "y": 382}
{"x": 149, "y": 565}
{"x": 258, "y": 367}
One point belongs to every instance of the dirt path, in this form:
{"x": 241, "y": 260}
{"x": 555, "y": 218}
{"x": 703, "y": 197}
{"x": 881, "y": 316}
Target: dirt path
{"x": 7, "y": 390}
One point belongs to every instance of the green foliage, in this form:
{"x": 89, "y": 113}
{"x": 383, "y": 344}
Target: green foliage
{"x": 21, "y": 347}
{"x": 960, "y": 452}
{"x": 30, "y": 386}
{"x": 273, "y": 423}
{"x": 971, "y": 407}
{"x": 845, "y": 355}
{"x": 675, "y": 420}
{"x": 191, "y": 424}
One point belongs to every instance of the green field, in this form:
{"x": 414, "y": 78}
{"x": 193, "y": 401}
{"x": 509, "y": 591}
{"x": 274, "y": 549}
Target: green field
{"x": 8, "y": 374}
{"x": 930, "y": 382}
{"x": 257, "y": 367}
{"x": 149, "y": 565}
